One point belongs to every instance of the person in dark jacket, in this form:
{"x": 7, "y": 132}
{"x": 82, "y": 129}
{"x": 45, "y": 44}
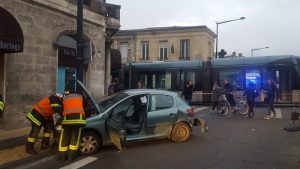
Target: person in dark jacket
{"x": 215, "y": 95}
{"x": 118, "y": 86}
{"x": 270, "y": 91}
{"x": 187, "y": 92}
{"x": 251, "y": 93}
{"x": 228, "y": 89}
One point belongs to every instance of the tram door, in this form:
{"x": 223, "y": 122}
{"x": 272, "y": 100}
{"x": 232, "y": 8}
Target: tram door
{"x": 282, "y": 79}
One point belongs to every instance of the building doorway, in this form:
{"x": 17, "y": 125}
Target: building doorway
{"x": 67, "y": 47}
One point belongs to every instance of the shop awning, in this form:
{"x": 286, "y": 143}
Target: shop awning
{"x": 11, "y": 34}
{"x": 115, "y": 60}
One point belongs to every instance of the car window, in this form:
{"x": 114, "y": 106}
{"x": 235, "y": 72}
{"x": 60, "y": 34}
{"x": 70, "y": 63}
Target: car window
{"x": 159, "y": 102}
{"x": 111, "y": 100}
{"x": 120, "y": 110}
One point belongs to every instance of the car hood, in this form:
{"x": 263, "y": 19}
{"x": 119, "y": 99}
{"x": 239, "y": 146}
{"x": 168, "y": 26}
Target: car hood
{"x": 88, "y": 95}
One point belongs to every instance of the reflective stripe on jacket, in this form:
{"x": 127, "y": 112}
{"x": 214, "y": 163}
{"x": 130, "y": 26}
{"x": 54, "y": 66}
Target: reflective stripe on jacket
{"x": 1, "y": 105}
{"x": 44, "y": 107}
{"x": 73, "y": 104}
{"x": 35, "y": 117}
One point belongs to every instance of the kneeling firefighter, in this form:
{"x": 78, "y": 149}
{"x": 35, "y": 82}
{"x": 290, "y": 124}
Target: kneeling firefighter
{"x": 42, "y": 116}
{"x": 73, "y": 121}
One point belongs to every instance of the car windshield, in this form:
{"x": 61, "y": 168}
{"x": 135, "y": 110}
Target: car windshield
{"x": 111, "y": 100}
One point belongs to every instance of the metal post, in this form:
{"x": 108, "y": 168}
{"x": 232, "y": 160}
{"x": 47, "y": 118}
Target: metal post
{"x": 129, "y": 85}
{"x": 217, "y": 41}
{"x": 79, "y": 58}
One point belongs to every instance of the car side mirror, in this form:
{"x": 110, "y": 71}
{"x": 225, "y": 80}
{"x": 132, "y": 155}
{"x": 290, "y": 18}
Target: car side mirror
{"x": 105, "y": 116}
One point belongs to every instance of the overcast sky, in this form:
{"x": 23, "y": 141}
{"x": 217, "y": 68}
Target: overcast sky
{"x": 272, "y": 23}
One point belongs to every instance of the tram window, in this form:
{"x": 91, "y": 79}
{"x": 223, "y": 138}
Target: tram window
{"x": 190, "y": 76}
{"x": 235, "y": 77}
{"x": 179, "y": 80}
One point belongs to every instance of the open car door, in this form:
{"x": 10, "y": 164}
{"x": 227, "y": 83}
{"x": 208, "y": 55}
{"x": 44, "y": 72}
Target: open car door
{"x": 115, "y": 124}
{"x": 116, "y": 132}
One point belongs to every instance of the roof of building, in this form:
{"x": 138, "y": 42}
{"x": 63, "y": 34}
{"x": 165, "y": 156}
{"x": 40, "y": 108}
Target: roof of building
{"x": 164, "y": 29}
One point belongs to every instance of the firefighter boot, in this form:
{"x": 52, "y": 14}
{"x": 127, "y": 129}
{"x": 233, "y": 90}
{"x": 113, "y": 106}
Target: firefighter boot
{"x": 72, "y": 154}
{"x": 62, "y": 156}
{"x": 30, "y": 148}
{"x": 45, "y": 143}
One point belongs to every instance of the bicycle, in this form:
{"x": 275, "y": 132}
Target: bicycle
{"x": 224, "y": 106}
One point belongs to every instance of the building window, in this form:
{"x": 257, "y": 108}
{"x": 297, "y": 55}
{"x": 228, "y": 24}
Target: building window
{"x": 145, "y": 51}
{"x": 185, "y": 49}
{"x": 163, "y": 50}
{"x": 124, "y": 51}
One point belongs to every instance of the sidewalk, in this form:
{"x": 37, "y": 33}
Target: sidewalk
{"x": 12, "y": 145}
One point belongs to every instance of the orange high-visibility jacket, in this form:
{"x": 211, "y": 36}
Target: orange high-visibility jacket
{"x": 44, "y": 107}
{"x": 73, "y": 104}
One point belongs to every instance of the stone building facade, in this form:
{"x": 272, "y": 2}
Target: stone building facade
{"x": 48, "y": 26}
{"x": 165, "y": 43}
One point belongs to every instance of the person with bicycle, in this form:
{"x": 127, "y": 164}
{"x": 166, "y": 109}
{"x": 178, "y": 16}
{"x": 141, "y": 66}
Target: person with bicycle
{"x": 251, "y": 93}
{"x": 228, "y": 90}
{"x": 215, "y": 95}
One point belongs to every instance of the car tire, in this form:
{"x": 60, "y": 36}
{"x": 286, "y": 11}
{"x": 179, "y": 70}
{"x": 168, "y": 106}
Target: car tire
{"x": 181, "y": 132}
{"x": 90, "y": 143}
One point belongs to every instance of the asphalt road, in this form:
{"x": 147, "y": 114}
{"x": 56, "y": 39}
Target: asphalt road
{"x": 231, "y": 143}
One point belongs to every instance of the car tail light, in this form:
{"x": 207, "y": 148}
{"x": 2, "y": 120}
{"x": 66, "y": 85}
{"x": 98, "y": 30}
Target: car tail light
{"x": 190, "y": 112}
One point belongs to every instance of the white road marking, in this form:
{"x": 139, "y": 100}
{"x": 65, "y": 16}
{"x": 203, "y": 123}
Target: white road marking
{"x": 278, "y": 114}
{"x": 80, "y": 163}
{"x": 196, "y": 109}
{"x": 36, "y": 163}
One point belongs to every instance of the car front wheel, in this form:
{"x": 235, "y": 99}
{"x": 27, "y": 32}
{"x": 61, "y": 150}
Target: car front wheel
{"x": 181, "y": 132}
{"x": 90, "y": 143}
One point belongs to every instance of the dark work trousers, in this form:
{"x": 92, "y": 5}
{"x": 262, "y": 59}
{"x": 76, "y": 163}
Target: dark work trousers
{"x": 48, "y": 129}
{"x": 215, "y": 104}
{"x": 271, "y": 108}
{"x": 231, "y": 100}
{"x": 69, "y": 141}
{"x": 251, "y": 105}
{"x": 35, "y": 129}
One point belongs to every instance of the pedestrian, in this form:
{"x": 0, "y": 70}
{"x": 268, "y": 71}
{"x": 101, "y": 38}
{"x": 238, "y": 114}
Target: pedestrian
{"x": 118, "y": 86}
{"x": 270, "y": 92}
{"x": 110, "y": 90}
{"x": 251, "y": 93}
{"x": 1, "y": 105}
{"x": 187, "y": 92}
{"x": 141, "y": 84}
{"x": 215, "y": 95}
{"x": 42, "y": 116}
{"x": 228, "y": 89}
{"x": 73, "y": 121}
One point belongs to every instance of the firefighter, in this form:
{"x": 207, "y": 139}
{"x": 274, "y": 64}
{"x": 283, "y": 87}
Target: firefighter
{"x": 42, "y": 116}
{"x": 73, "y": 121}
{"x": 1, "y": 105}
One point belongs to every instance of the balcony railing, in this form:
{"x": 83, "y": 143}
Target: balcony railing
{"x": 160, "y": 58}
{"x": 186, "y": 58}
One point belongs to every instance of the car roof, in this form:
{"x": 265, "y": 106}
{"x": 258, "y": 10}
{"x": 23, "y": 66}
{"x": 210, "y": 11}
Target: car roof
{"x": 147, "y": 91}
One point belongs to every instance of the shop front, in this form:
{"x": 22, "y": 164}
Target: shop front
{"x": 11, "y": 41}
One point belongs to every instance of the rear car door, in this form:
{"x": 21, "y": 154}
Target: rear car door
{"x": 161, "y": 115}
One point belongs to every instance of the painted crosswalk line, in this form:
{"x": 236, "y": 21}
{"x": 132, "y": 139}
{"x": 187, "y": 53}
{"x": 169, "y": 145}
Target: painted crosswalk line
{"x": 80, "y": 163}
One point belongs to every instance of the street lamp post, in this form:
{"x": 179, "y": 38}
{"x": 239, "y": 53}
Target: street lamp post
{"x": 257, "y": 49}
{"x": 241, "y": 18}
